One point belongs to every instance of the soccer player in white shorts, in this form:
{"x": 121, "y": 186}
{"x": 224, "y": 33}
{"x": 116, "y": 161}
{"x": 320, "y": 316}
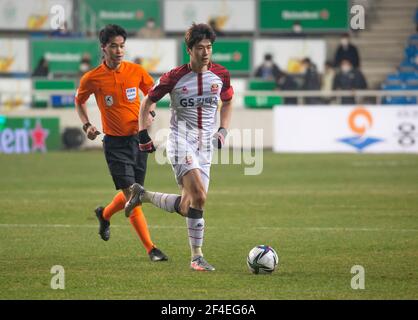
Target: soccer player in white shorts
{"x": 195, "y": 89}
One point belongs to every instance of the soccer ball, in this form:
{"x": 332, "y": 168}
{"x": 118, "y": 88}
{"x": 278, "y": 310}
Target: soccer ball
{"x": 262, "y": 259}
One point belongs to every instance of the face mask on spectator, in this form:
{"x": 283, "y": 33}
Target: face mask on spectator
{"x": 268, "y": 64}
{"x": 344, "y": 42}
{"x": 297, "y": 28}
{"x": 345, "y": 68}
{"x": 84, "y": 67}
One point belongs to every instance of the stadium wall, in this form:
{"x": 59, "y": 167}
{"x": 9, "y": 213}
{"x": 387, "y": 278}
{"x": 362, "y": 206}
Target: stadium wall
{"x": 248, "y": 128}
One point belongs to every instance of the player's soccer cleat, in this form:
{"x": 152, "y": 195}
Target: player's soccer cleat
{"x": 137, "y": 191}
{"x": 157, "y": 255}
{"x": 104, "y": 225}
{"x": 200, "y": 264}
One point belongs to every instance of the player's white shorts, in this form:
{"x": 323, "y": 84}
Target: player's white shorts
{"x": 185, "y": 156}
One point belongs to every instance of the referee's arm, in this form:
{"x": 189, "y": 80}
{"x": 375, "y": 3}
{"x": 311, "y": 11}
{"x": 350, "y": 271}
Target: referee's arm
{"x": 88, "y": 128}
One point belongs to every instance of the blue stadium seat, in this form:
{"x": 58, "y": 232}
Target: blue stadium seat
{"x": 411, "y": 100}
{"x": 412, "y": 85}
{"x": 394, "y": 79}
{"x": 395, "y": 99}
{"x": 406, "y": 67}
{"x": 413, "y": 39}
{"x": 410, "y": 53}
{"x": 407, "y": 76}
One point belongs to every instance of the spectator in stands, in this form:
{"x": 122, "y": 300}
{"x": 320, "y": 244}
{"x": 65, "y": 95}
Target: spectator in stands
{"x": 214, "y": 25}
{"x": 150, "y": 30}
{"x": 296, "y": 32}
{"x": 268, "y": 70}
{"x": 287, "y": 83}
{"x": 62, "y": 31}
{"x": 346, "y": 50}
{"x": 327, "y": 80}
{"x": 42, "y": 69}
{"x": 138, "y": 60}
{"x": 297, "y": 27}
{"x": 85, "y": 63}
{"x": 311, "y": 80}
{"x": 349, "y": 78}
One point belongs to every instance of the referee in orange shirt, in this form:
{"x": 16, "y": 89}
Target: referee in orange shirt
{"x": 115, "y": 85}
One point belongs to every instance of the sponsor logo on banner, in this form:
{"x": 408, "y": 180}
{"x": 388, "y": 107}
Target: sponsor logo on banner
{"x": 360, "y": 122}
{"x": 407, "y": 134}
{"x": 406, "y": 131}
{"x": 25, "y": 135}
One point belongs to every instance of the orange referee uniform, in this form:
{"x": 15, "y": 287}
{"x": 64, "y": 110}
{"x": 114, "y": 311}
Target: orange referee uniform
{"x": 117, "y": 97}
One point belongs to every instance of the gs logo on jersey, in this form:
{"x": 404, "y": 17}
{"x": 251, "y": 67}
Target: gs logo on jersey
{"x": 131, "y": 93}
{"x": 214, "y": 88}
{"x": 191, "y": 102}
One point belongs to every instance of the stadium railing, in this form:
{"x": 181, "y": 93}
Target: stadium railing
{"x": 369, "y": 97}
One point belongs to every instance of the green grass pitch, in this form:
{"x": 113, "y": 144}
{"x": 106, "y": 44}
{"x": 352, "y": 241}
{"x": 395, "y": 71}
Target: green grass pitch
{"x": 322, "y": 213}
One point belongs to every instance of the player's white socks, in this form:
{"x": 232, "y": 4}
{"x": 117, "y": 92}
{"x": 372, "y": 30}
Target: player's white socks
{"x": 165, "y": 201}
{"x": 196, "y": 229}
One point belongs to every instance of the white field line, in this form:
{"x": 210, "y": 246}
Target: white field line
{"x": 18, "y": 225}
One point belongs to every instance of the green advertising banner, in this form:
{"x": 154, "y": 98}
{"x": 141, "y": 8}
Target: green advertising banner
{"x": 313, "y": 15}
{"x": 25, "y": 135}
{"x": 235, "y": 55}
{"x": 130, "y": 14}
{"x": 64, "y": 55}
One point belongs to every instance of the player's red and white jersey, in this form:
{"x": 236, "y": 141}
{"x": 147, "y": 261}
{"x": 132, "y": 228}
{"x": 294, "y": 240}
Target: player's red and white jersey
{"x": 194, "y": 99}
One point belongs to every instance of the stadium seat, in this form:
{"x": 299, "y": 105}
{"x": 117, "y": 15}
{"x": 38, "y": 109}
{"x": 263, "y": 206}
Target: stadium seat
{"x": 409, "y": 76}
{"x": 411, "y": 100}
{"x": 406, "y": 67}
{"x": 394, "y": 79}
{"x": 413, "y": 39}
{"x": 410, "y": 53}
{"x": 394, "y": 99}
{"x": 412, "y": 85}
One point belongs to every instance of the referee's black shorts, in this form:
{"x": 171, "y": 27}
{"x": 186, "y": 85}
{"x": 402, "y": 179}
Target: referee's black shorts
{"x": 126, "y": 163}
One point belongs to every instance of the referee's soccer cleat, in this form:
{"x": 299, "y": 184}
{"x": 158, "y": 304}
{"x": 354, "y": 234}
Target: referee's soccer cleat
{"x": 157, "y": 255}
{"x": 104, "y": 225}
{"x": 200, "y": 264}
{"x": 137, "y": 191}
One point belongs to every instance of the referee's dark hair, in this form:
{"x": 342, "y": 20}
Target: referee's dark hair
{"x": 198, "y": 32}
{"x": 111, "y": 31}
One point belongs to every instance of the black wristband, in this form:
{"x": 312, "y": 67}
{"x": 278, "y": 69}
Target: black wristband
{"x": 144, "y": 136}
{"x": 86, "y": 126}
{"x": 223, "y": 131}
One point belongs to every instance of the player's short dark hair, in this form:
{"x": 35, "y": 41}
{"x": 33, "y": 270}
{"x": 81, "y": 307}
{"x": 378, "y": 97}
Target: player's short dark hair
{"x": 198, "y": 32}
{"x": 111, "y": 31}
